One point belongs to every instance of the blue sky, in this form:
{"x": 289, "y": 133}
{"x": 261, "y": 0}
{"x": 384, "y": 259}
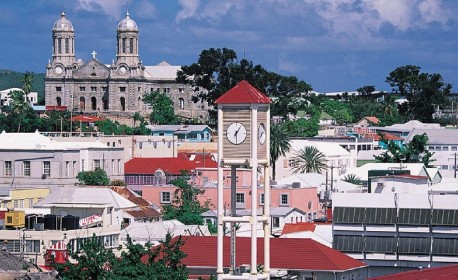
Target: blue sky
{"x": 334, "y": 45}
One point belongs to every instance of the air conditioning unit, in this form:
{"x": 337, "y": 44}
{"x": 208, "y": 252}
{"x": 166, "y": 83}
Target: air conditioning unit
{"x": 296, "y": 185}
{"x": 43, "y": 176}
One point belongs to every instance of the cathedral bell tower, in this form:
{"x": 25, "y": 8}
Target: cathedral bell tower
{"x": 127, "y": 58}
{"x": 63, "y": 47}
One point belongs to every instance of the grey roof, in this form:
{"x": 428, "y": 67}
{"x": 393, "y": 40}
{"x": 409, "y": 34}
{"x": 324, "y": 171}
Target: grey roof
{"x": 274, "y": 211}
{"x": 10, "y": 262}
{"x": 5, "y": 191}
{"x": 80, "y": 196}
{"x": 408, "y": 126}
{"x": 178, "y": 128}
{"x": 436, "y": 136}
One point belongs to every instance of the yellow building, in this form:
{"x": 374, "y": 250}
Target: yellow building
{"x": 23, "y": 198}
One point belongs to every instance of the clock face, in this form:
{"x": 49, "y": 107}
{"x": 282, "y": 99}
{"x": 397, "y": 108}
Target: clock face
{"x": 123, "y": 69}
{"x": 58, "y": 70}
{"x": 236, "y": 133}
{"x": 262, "y": 133}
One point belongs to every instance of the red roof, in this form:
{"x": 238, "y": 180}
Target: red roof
{"x": 243, "y": 93}
{"x": 388, "y": 136}
{"x": 287, "y": 253}
{"x": 373, "y": 119}
{"x": 56, "y": 108}
{"x": 169, "y": 165}
{"x": 449, "y": 272}
{"x": 85, "y": 119}
{"x": 298, "y": 227}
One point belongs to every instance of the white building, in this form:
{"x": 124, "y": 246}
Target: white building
{"x": 6, "y": 99}
{"x": 33, "y": 160}
{"x": 337, "y": 158}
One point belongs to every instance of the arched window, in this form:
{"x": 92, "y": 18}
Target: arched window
{"x": 94, "y": 103}
{"x": 59, "y": 101}
{"x": 181, "y": 103}
{"x": 82, "y": 104}
{"x": 123, "y": 103}
{"x": 131, "y": 45}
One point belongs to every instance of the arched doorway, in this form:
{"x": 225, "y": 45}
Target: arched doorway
{"x": 94, "y": 103}
{"x": 59, "y": 101}
{"x": 82, "y": 104}
{"x": 123, "y": 103}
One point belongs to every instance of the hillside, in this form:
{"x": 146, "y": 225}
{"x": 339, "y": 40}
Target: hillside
{"x": 10, "y": 79}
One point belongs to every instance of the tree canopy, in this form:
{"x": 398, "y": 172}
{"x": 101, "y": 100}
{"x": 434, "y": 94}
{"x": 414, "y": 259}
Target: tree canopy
{"x": 97, "y": 177}
{"x": 162, "y": 105}
{"x": 423, "y": 91}
{"x": 94, "y": 261}
{"x": 185, "y": 206}
{"x": 218, "y": 70}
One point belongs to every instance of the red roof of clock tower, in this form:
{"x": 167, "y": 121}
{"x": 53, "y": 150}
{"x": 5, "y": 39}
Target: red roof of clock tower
{"x": 243, "y": 93}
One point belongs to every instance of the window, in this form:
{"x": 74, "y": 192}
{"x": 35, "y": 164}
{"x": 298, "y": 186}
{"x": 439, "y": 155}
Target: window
{"x": 8, "y": 169}
{"x": 66, "y": 45}
{"x": 26, "y": 168}
{"x": 261, "y": 199}
{"x": 131, "y": 45}
{"x": 437, "y": 148}
{"x": 123, "y": 45}
{"x": 21, "y": 203}
{"x": 180, "y": 90}
{"x": 30, "y": 202}
{"x": 15, "y": 203}
{"x": 166, "y": 90}
{"x": 59, "y": 45}
{"x": 165, "y": 197}
{"x": 47, "y": 168}
{"x": 454, "y": 148}
{"x": 82, "y": 165}
{"x": 104, "y": 89}
{"x": 240, "y": 198}
{"x": 112, "y": 166}
{"x": 119, "y": 166}
{"x": 58, "y": 89}
{"x": 74, "y": 168}
{"x": 444, "y": 167}
{"x": 181, "y": 103}
{"x": 67, "y": 169}
{"x": 445, "y": 148}
{"x": 82, "y": 88}
{"x": 122, "y": 89}
{"x": 284, "y": 199}
{"x": 93, "y": 88}
{"x": 96, "y": 163}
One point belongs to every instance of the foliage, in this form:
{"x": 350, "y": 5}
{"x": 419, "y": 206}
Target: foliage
{"x": 309, "y": 159}
{"x": 218, "y": 70}
{"x": 414, "y": 152}
{"x": 118, "y": 182}
{"x": 422, "y": 90}
{"x": 19, "y": 114}
{"x": 302, "y": 128}
{"x": 108, "y": 127}
{"x": 162, "y": 105}
{"x": 98, "y": 177}
{"x": 185, "y": 206}
{"x": 353, "y": 179}
{"x": 279, "y": 144}
{"x": 94, "y": 261}
{"x": 13, "y": 79}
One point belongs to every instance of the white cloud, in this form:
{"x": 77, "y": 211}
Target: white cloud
{"x": 188, "y": 9}
{"x": 109, "y": 7}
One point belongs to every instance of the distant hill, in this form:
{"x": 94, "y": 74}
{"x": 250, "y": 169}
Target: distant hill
{"x": 10, "y": 79}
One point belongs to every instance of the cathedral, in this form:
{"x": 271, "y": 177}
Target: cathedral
{"x": 116, "y": 88}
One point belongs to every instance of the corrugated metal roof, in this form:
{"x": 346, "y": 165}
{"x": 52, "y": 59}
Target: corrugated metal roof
{"x": 287, "y": 253}
{"x": 448, "y": 272}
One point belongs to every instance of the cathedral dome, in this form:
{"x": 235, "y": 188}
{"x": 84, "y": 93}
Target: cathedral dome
{"x": 127, "y": 24}
{"x": 63, "y": 24}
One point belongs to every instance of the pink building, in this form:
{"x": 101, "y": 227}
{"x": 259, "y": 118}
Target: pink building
{"x": 305, "y": 199}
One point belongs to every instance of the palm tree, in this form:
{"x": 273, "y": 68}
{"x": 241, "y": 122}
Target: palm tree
{"x": 309, "y": 159}
{"x": 279, "y": 144}
{"x": 353, "y": 179}
{"x": 27, "y": 84}
{"x": 18, "y": 106}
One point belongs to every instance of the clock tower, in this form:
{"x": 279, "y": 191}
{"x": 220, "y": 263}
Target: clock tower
{"x": 244, "y": 140}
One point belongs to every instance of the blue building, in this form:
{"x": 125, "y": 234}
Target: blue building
{"x": 185, "y": 133}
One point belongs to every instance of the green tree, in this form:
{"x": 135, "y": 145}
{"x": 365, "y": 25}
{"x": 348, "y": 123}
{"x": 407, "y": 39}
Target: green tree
{"x": 366, "y": 90}
{"x": 414, "y": 152}
{"x": 162, "y": 105}
{"x": 353, "y": 179}
{"x": 302, "y": 127}
{"x": 98, "y": 177}
{"x": 93, "y": 261}
{"x": 423, "y": 91}
{"x": 279, "y": 144}
{"x": 27, "y": 81}
{"x": 109, "y": 127}
{"x": 309, "y": 159}
{"x": 218, "y": 70}
{"x": 185, "y": 206}
{"x": 20, "y": 111}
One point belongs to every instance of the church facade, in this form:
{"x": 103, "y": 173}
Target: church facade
{"x": 116, "y": 88}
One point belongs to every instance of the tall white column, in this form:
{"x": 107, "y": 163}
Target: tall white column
{"x": 254, "y": 189}
{"x": 219, "y": 261}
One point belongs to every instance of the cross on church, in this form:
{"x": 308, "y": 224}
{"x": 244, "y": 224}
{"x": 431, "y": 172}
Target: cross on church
{"x": 93, "y": 54}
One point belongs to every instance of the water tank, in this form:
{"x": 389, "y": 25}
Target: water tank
{"x": 52, "y": 222}
{"x": 70, "y": 222}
